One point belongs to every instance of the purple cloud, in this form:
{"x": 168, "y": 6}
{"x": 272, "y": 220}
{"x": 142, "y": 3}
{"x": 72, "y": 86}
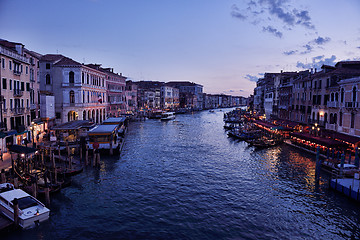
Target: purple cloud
{"x": 273, "y": 30}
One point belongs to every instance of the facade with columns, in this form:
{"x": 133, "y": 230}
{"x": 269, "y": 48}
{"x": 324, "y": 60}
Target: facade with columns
{"x": 79, "y": 90}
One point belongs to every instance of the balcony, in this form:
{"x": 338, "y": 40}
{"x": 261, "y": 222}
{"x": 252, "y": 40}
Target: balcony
{"x": 352, "y": 104}
{"x": 17, "y": 72}
{"x": 18, "y": 111}
{"x": 333, "y": 104}
{"x": 32, "y": 106}
{"x": 18, "y": 93}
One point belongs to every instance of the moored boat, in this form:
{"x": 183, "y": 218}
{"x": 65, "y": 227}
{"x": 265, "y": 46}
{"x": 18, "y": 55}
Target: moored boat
{"x": 31, "y": 211}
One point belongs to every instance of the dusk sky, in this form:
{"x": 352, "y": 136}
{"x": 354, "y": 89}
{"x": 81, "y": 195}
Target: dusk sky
{"x": 225, "y": 45}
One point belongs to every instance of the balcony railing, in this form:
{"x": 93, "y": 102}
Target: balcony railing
{"x": 18, "y": 93}
{"x": 333, "y": 104}
{"x": 18, "y": 111}
{"x": 32, "y": 106}
{"x": 17, "y": 72}
{"x": 352, "y": 104}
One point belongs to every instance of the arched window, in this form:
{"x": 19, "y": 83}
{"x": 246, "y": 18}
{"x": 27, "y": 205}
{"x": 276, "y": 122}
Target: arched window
{"x": 83, "y": 78}
{"x": 325, "y": 118}
{"x": 342, "y": 95}
{"x": 354, "y": 94}
{"x": 83, "y": 97}
{"x": 340, "y": 118}
{"x": 72, "y": 96}
{"x": 335, "y": 118}
{"x": 87, "y": 79}
{"x": 88, "y": 97}
{"x": 71, "y": 77}
{"x": 84, "y": 115}
{"x": 336, "y": 97}
{"x": 48, "y": 80}
{"x": 332, "y": 97}
{"x": 352, "y": 123}
{"x": 318, "y": 116}
{"x": 331, "y": 118}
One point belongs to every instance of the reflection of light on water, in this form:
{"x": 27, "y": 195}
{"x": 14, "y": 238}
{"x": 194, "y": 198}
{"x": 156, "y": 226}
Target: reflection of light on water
{"x": 271, "y": 160}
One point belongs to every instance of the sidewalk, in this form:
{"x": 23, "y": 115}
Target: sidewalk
{"x": 6, "y": 163}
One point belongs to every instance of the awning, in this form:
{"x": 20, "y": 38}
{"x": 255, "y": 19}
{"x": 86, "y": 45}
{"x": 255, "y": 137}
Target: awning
{"x": 21, "y": 149}
{"x": 343, "y": 137}
{"x": 327, "y": 142}
{"x": 2, "y": 134}
{"x": 26, "y": 131}
{"x": 11, "y": 132}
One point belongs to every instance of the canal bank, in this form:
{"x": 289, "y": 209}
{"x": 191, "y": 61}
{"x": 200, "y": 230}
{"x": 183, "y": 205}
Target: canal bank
{"x": 185, "y": 179}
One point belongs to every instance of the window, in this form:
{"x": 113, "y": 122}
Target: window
{"x": 4, "y": 83}
{"x": 342, "y": 95}
{"x": 3, "y": 63}
{"x": 340, "y": 118}
{"x": 71, "y": 77}
{"x": 48, "y": 81}
{"x": 10, "y": 65}
{"x": 352, "y": 120}
{"x": 10, "y": 84}
{"x": 87, "y": 77}
{"x": 48, "y": 66}
{"x": 22, "y": 86}
{"x": 83, "y": 78}
{"x": 28, "y": 87}
{"x": 72, "y": 96}
{"x": 26, "y": 69}
{"x": 354, "y": 94}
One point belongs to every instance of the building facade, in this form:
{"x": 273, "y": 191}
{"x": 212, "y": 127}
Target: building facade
{"x": 79, "y": 90}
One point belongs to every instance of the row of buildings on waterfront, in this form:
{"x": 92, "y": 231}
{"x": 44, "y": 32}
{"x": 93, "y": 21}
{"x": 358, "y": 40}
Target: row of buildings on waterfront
{"x": 328, "y": 98}
{"x": 39, "y": 91}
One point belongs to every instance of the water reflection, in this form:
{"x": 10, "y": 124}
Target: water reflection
{"x": 185, "y": 179}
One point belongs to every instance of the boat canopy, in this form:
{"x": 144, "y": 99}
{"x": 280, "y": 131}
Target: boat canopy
{"x": 114, "y": 120}
{"x": 103, "y": 130}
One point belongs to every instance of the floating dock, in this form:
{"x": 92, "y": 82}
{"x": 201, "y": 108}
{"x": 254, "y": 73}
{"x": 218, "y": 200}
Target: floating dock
{"x": 348, "y": 186}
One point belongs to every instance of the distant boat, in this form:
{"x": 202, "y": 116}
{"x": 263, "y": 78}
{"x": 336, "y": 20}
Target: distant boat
{"x": 31, "y": 211}
{"x": 167, "y": 116}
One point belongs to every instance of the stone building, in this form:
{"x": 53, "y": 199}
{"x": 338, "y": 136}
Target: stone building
{"x": 79, "y": 90}
{"x": 19, "y": 92}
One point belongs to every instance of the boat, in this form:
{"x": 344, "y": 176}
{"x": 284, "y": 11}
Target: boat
{"x": 105, "y": 137}
{"x": 31, "y": 210}
{"x": 167, "y": 116}
{"x": 155, "y": 114}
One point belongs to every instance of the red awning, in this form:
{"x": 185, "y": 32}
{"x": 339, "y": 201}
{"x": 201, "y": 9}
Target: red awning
{"x": 328, "y": 142}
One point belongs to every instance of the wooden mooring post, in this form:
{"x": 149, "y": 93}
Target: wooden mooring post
{"x": 3, "y": 176}
{"x": 16, "y": 211}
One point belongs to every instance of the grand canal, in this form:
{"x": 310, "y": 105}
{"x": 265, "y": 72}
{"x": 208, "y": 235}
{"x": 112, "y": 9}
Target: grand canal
{"x": 185, "y": 179}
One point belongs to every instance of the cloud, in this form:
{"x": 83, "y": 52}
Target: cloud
{"x": 317, "y": 62}
{"x": 273, "y": 30}
{"x": 251, "y": 78}
{"x": 358, "y": 47}
{"x": 276, "y": 11}
{"x": 291, "y": 52}
{"x": 309, "y": 47}
{"x": 321, "y": 40}
{"x": 235, "y": 12}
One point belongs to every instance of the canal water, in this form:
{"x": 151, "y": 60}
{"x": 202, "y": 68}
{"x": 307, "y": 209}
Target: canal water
{"x": 185, "y": 179}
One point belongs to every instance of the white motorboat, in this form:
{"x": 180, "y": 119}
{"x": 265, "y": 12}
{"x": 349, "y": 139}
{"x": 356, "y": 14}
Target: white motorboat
{"x": 167, "y": 116}
{"x": 31, "y": 211}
